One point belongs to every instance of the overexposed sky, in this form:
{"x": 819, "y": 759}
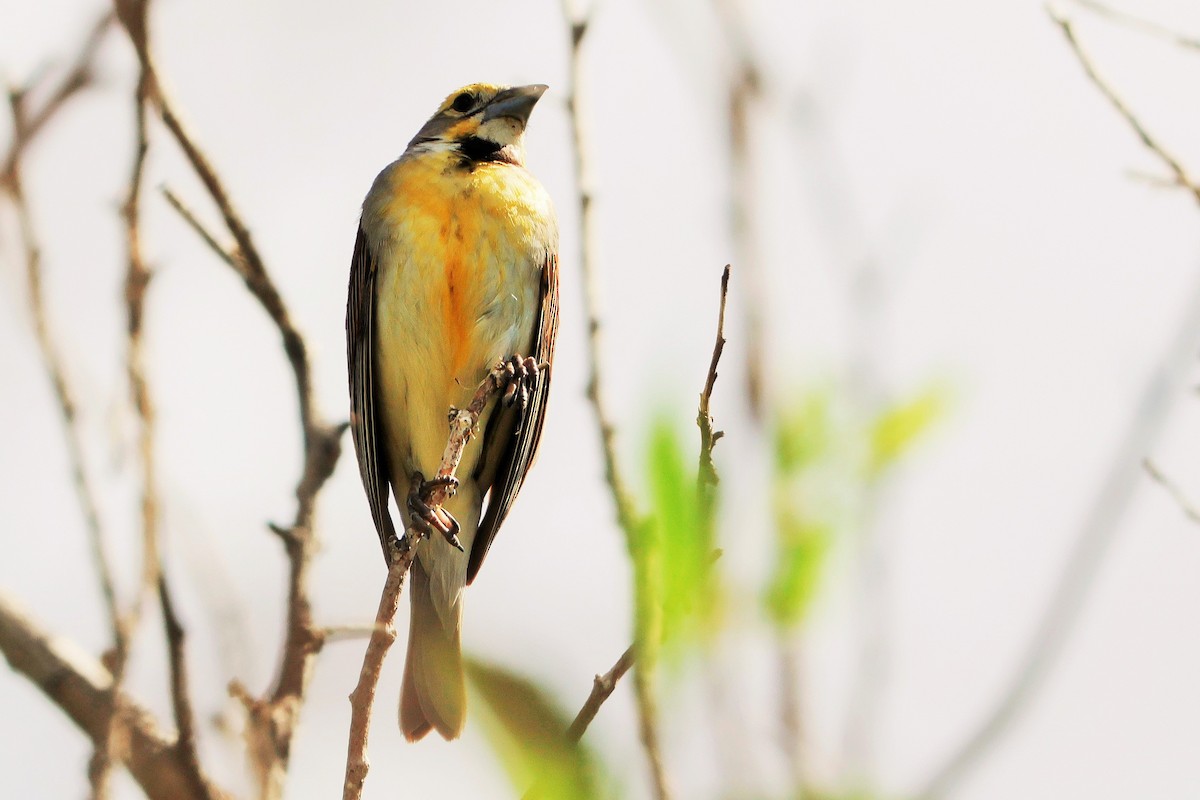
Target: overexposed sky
{"x": 1020, "y": 255}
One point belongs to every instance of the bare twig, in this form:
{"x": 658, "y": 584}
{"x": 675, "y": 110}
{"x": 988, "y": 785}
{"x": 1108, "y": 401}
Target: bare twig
{"x": 78, "y": 77}
{"x": 181, "y": 704}
{"x": 1185, "y": 505}
{"x": 1099, "y": 526}
{"x": 463, "y": 422}
{"x": 1172, "y": 163}
{"x": 744, "y": 89}
{"x": 27, "y": 123}
{"x": 207, "y": 236}
{"x": 1140, "y": 24}
{"x": 628, "y": 517}
{"x": 80, "y": 686}
{"x": 707, "y": 472}
{"x": 602, "y": 687}
{"x": 272, "y": 719}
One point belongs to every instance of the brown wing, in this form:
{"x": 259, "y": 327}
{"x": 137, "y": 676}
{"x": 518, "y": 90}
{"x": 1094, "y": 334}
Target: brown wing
{"x": 360, "y": 362}
{"x": 520, "y": 447}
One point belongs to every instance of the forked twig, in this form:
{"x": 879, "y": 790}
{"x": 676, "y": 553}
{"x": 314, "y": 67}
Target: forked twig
{"x": 1172, "y": 163}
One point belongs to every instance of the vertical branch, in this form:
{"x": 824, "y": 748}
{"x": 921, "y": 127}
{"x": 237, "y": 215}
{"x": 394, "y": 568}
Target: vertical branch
{"x": 181, "y": 704}
{"x": 628, "y": 517}
{"x": 27, "y": 124}
{"x": 272, "y": 719}
{"x": 744, "y": 89}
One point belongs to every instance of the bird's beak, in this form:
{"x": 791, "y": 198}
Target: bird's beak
{"x": 516, "y": 103}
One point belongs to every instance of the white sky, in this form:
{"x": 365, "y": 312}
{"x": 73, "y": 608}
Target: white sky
{"x": 958, "y": 145}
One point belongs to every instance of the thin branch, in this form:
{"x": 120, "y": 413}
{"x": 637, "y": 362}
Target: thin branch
{"x": 1147, "y": 139}
{"x": 271, "y": 720}
{"x": 744, "y": 89}
{"x": 628, "y": 517}
{"x": 707, "y": 472}
{"x": 27, "y": 123}
{"x": 602, "y": 687}
{"x": 1141, "y": 24}
{"x": 206, "y": 235}
{"x": 1185, "y": 505}
{"x": 181, "y": 703}
{"x": 1099, "y": 526}
{"x": 80, "y": 686}
{"x": 80, "y": 76}
{"x": 463, "y": 427}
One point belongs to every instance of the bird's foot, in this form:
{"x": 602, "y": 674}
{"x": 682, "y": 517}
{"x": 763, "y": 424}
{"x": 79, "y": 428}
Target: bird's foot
{"x": 518, "y": 378}
{"x": 427, "y": 517}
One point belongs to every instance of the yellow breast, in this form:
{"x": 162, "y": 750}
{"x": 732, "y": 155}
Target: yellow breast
{"x": 459, "y": 255}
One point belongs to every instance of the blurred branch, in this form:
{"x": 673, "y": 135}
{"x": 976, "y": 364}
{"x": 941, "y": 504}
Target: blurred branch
{"x": 271, "y": 720}
{"x": 463, "y": 422}
{"x": 628, "y": 517}
{"x": 602, "y": 687}
{"x": 80, "y": 686}
{"x": 181, "y": 704}
{"x": 1185, "y": 505}
{"x": 27, "y": 123}
{"x": 1100, "y": 525}
{"x": 1172, "y": 163}
{"x": 1140, "y": 24}
{"x": 745, "y": 88}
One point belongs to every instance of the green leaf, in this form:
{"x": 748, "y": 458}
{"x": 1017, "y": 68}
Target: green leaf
{"x": 686, "y": 535}
{"x": 527, "y": 731}
{"x": 805, "y": 432}
{"x": 800, "y": 561}
{"x": 896, "y": 429}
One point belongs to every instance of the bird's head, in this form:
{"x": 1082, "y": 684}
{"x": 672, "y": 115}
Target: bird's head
{"x": 482, "y": 122}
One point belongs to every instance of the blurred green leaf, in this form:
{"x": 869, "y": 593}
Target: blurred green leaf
{"x": 897, "y": 428}
{"x": 527, "y": 731}
{"x": 685, "y": 533}
{"x": 804, "y": 432}
{"x": 799, "y": 563}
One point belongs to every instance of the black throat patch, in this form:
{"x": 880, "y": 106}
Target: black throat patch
{"x": 475, "y": 149}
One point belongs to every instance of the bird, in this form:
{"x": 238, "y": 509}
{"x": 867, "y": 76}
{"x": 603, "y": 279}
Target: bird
{"x": 455, "y": 270}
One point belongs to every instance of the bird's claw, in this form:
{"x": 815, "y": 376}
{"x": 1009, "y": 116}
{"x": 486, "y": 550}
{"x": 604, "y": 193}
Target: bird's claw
{"x": 427, "y": 517}
{"x": 519, "y": 377}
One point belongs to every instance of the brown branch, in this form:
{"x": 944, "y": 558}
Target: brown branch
{"x": 80, "y": 686}
{"x": 463, "y": 424}
{"x": 207, "y": 236}
{"x": 744, "y": 89}
{"x": 602, "y": 687}
{"x": 1172, "y": 163}
{"x": 27, "y": 123}
{"x": 181, "y": 704}
{"x": 1140, "y": 24}
{"x": 707, "y": 472}
{"x": 272, "y": 719}
{"x": 1185, "y": 505}
{"x": 80, "y": 76}
{"x": 628, "y": 517}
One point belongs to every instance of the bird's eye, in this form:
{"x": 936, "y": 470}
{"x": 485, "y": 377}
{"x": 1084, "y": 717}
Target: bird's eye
{"x": 463, "y": 102}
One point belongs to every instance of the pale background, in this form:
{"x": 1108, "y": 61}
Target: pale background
{"x": 956, "y": 144}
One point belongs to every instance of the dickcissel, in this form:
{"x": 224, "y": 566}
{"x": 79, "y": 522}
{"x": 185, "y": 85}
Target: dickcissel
{"x": 455, "y": 269}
